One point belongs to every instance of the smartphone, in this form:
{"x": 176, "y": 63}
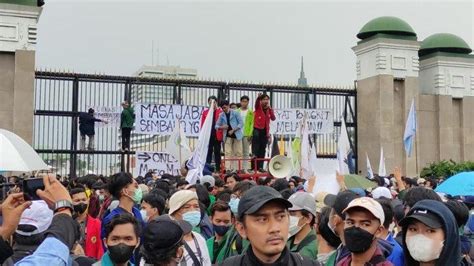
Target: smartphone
{"x": 30, "y": 186}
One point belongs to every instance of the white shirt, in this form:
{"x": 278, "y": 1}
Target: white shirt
{"x": 206, "y": 260}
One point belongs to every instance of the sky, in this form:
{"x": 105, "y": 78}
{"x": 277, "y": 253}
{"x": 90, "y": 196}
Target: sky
{"x": 225, "y": 40}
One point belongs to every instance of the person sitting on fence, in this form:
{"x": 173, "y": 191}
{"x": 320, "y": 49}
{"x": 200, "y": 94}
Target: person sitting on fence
{"x": 86, "y": 127}
{"x": 127, "y": 120}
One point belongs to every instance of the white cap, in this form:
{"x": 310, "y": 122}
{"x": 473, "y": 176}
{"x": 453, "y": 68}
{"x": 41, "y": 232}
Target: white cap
{"x": 179, "y": 198}
{"x": 369, "y": 204}
{"x": 208, "y": 179}
{"x": 381, "y": 192}
{"x": 38, "y": 215}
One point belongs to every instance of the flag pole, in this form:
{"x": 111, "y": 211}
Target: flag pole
{"x": 179, "y": 130}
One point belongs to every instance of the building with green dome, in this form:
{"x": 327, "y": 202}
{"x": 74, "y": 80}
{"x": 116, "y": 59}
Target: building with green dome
{"x": 393, "y": 69}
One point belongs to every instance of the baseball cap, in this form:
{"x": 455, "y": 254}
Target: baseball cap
{"x": 381, "y": 192}
{"x": 162, "y": 233}
{"x": 320, "y": 196}
{"x": 340, "y": 201}
{"x": 425, "y": 216}
{"x": 303, "y": 201}
{"x": 369, "y": 204}
{"x": 421, "y": 181}
{"x": 179, "y": 198}
{"x": 256, "y": 197}
{"x": 38, "y": 215}
{"x": 208, "y": 179}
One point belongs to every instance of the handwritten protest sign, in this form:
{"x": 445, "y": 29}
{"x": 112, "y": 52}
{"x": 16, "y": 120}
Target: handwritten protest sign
{"x": 160, "y": 162}
{"x": 111, "y": 114}
{"x": 159, "y": 119}
{"x": 320, "y": 121}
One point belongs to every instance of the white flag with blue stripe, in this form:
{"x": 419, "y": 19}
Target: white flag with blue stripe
{"x": 410, "y": 129}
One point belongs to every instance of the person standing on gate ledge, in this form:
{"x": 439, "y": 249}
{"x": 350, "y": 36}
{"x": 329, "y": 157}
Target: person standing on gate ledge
{"x": 216, "y": 135}
{"x": 231, "y": 123}
{"x": 261, "y": 128}
{"x": 247, "y": 117}
{"x": 86, "y": 127}
{"x": 127, "y": 119}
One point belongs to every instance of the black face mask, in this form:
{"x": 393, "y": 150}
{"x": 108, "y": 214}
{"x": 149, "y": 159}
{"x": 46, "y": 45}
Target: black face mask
{"x": 80, "y": 208}
{"x": 357, "y": 240}
{"x": 120, "y": 253}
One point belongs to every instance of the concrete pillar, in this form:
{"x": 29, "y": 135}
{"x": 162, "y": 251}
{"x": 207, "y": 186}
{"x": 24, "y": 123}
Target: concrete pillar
{"x": 387, "y": 82}
{"x": 17, "y": 68}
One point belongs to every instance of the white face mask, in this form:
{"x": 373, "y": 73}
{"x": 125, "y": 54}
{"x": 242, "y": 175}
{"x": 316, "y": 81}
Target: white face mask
{"x": 424, "y": 249}
{"x": 294, "y": 228}
{"x": 144, "y": 216}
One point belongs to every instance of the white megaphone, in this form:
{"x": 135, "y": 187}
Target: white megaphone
{"x": 280, "y": 166}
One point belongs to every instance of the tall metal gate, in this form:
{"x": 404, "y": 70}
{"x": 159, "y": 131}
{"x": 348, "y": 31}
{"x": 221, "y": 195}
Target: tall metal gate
{"x": 59, "y": 97}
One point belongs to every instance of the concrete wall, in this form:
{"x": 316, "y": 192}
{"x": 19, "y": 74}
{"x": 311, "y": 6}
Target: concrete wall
{"x": 17, "y": 92}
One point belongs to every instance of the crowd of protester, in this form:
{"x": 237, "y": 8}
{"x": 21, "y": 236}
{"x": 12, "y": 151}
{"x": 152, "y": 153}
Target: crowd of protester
{"x": 162, "y": 220}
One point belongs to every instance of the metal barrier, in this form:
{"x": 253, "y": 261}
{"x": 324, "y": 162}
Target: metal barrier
{"x": 59, "y": 97}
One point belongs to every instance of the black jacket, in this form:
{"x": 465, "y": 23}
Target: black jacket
{"x": 5, "y": 250}
{"x": 286, "y": 258}
{"x": 86, "y": 124}
{"x": 451, "y": 252}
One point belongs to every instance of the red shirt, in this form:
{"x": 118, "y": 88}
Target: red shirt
{"x": 376, "y": 260}
{"x": 93, "y": 246}
{"x": 217, "y": 112}
{"x": 262, "y": 118}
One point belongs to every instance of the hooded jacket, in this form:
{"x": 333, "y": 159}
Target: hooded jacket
{"x": 451, "y": 252}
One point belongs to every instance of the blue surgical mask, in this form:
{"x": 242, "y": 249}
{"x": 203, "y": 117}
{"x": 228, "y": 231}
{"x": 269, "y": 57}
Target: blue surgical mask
{"x": 221, "y": 229}
{"x": 192, "y": 217}
{"x": 234, "y": 205}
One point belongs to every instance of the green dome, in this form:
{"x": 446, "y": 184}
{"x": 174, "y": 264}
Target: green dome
{"x": 444, "y": 42}
{"x": 387, "y": 25}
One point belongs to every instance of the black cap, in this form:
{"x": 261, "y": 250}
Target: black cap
{"x": 185, "y": 226}
{"x": 254, "y": 199}
{"x": 340, "y": 201}
{"x": 425, "y": 216}
{"x": 163, "y": 233}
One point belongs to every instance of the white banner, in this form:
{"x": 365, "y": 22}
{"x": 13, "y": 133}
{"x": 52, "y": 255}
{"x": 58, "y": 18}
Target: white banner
{"x": 161, "y": 162}
{"x": 319, "y": 121}
{"x": 159, "y": 119}
{"x": 111, "y": 114}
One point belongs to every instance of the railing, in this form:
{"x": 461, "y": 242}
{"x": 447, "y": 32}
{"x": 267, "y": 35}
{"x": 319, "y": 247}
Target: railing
{"x": 59, "y": 97}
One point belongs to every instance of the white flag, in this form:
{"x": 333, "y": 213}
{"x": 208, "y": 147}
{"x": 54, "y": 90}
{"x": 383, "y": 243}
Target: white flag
{"x": 382, "y": 171}
{"x": 177, "y": 144}
{"x": 306, "y": 171}
{"x": 198, "y": 159}
{"x": 343, "y": 149}
{"x": 370, "y": 172}
{"x": 313, "y": 159}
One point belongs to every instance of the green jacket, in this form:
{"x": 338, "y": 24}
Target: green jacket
{"x": 310, "y": 248}
{"x": 212, "y": 199}
{"x": 248, "y": 123}
{"x": 229, "y": 246}
{"x": 127, "y": 118}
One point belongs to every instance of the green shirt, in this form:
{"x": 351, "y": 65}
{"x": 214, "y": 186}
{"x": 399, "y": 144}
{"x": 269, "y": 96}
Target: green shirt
{"x": 230, "y": 245}
{"x": 127, "y": 118}
{"x": 310, "y": 248}
{"x": 248, "y": 123}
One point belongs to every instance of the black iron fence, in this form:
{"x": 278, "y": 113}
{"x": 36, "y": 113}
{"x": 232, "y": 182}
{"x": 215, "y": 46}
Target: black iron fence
{"x": 59, "y": 97}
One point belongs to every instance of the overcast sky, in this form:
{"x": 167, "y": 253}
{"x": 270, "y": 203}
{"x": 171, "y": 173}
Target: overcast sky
{"x": 229, "y": 40}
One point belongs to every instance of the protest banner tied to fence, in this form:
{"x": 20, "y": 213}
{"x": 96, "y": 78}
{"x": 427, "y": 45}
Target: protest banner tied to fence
{"x": 159, "y": 162}
{"x": 319, "y": 121}
{"x": 160, "y": 119}
{"x": 111, "y": 114}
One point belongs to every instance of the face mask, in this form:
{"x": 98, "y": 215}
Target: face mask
{"x": 137, "y": 196}
{"x": 144, "y": 216}
{"x": 294, "y": 228}
{"x": 80, "y": 208}
{"x": 234, "y": 205}
{"x": 220, "y": 229}
{"x": 192, "y": 217}
{"x": 101, "y": 197}
{"x": 424, "y": 249}
{"x": 120, "y": 253}
{"x": 357, "y": 239}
